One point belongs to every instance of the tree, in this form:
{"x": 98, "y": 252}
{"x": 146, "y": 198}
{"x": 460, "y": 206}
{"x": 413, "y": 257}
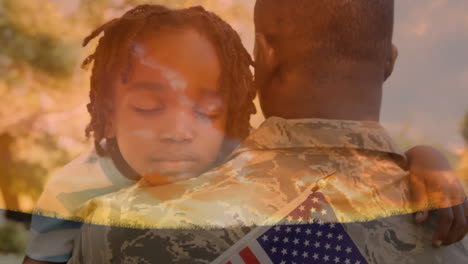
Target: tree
{"x": 464, "y": 158}
{"x": 37, "y": 67}
{"x": 464, "y": 129}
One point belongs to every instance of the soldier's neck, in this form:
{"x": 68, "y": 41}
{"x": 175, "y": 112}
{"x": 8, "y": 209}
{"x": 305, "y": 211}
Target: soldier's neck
{"x": 342, "y": 98}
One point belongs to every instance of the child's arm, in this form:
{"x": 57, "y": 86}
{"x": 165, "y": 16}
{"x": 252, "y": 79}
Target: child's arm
{"x": 434, "y": 184}
{"x": 51, "y": 239}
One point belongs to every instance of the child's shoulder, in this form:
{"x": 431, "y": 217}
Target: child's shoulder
{"x": 87, "y": 172}
{"x": 90, "y": 170}
{"x": 85, "y": 165}
{"x": 84, "y": 178}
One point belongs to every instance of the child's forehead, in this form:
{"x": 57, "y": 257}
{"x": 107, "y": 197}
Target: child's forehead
{"x": 187, "y": 41}
{"x": 174, "y": 64}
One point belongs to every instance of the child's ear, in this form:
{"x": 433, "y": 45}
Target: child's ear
{"x": 390, "y": 64}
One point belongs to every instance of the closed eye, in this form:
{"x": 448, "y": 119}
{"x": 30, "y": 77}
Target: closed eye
{"x": 211, "y": 116}
{"x": 210, "y": 106}
{"x": 209, "y": 113}
{"x": 147, "y": 110}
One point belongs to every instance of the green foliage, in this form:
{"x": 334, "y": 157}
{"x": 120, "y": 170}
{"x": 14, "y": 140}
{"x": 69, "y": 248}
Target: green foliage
{"x": 42, "y": 51}
{"x": 91, "y": 12}
{"x": 29, "y": 176}
{"x": 11, "y": 239}
{"x": 464, "y": 129}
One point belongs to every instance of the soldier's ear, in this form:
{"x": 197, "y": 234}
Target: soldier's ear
{"x": 390, "y": 63}
{"x": 264, "y": 52}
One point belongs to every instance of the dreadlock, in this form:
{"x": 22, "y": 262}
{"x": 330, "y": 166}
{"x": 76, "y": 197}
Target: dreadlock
{"x": 113, "y": 55}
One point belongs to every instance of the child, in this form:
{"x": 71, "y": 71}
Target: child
{"x": 157, "y": 110}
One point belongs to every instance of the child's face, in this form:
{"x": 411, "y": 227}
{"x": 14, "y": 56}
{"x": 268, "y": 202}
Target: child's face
{"x": 169, "y": 118}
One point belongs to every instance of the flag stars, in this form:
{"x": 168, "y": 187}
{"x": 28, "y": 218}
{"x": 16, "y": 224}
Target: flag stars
{"x": 283, "y": 262}
{"x": 315, "y": 200}
{"x": 313, "y": 210}
{"x": 289, "y": 218}
{"x": 315, "y": 242}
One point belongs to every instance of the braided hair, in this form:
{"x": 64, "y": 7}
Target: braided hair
{"x": 112, "y": 57}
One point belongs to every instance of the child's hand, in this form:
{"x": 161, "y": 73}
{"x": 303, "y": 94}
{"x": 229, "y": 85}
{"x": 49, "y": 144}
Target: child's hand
{"x": 434, "y": 184}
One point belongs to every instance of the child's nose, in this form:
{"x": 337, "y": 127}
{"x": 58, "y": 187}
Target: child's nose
{"x": 178, "y": 129}
{"x": 177, "y": 136}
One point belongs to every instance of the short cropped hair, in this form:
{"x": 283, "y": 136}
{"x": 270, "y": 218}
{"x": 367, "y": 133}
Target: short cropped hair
{"x": 340, "y": 29}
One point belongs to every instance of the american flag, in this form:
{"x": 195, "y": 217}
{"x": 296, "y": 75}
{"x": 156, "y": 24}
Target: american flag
{"x": 308, "y": 234}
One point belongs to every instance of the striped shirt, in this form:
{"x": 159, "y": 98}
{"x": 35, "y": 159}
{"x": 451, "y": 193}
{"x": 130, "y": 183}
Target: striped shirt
{"x": 86, "y": 177}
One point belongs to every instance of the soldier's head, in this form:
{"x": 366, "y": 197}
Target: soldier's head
{"x": 171, "y": 88}
{"x": 323, "y": 58}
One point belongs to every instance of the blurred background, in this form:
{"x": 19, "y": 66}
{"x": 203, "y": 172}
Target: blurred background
{"x": 44, "y": 92}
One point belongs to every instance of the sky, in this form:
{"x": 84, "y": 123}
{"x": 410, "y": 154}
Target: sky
{"x": 427, "y": 95}
{"x": 428, "y": 91}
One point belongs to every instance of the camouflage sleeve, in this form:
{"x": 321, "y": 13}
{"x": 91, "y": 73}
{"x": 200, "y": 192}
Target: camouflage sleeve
{"x": 397, "y": 240}
{"x": 112, "y": 244}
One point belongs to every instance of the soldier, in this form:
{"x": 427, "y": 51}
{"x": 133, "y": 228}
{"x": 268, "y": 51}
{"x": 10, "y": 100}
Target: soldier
{"x": 320, "y": 76}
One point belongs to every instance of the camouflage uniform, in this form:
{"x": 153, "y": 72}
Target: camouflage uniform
{"x": 196, "y": 220}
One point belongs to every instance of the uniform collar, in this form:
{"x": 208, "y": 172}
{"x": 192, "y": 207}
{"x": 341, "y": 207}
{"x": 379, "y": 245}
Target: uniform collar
{"x": 279, "y": 133}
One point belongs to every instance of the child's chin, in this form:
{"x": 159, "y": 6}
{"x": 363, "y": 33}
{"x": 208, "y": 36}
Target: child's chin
{"x": 166, "y": 177}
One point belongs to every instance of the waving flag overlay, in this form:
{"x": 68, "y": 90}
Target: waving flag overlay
{"x": 307, "y": 234}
